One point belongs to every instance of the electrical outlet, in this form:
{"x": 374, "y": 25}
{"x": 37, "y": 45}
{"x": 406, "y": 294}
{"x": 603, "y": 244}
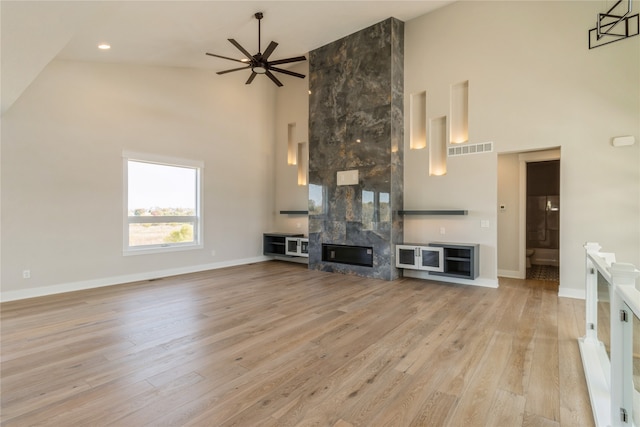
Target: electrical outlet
{"x": 213, "y": 253}
{"x": 442, "y": 230}
{"x": 26, "y": 274}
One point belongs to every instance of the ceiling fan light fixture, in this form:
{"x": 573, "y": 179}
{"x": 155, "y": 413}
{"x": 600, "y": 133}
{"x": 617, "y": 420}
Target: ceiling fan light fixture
{"x": 260, "y": 62}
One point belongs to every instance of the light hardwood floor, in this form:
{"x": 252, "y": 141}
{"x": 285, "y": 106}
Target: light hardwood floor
{"x": 274, "y": 344}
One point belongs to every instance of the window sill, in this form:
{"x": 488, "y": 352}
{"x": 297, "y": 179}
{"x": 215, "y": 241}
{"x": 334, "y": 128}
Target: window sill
{"x": 160, "y": 249}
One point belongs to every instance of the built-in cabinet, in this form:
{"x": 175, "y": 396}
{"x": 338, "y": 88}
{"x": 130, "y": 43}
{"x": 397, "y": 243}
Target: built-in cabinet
{"x": 297, "y": 246}
{"x": 441, "y": 259}
{"x": 289, "y": 245}
{"x": 275, "y": 244}
{"x": 420, "y": 257}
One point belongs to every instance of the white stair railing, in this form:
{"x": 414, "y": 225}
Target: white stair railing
{"x": 614, "y": 398}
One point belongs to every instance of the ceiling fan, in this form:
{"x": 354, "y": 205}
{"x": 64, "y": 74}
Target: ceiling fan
{"x": 259, "y": 63}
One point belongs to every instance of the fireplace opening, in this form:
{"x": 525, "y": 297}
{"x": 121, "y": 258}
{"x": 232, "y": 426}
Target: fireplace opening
{"x": 347, "y": 254}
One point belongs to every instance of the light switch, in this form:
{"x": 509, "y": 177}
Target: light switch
{"x": 484, "y": 223}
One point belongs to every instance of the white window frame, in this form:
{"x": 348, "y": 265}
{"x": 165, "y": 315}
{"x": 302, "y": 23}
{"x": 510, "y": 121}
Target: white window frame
{"x": 197, "y": 219}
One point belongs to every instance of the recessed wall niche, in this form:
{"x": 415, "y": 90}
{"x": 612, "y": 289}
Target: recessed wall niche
{"x": 418, "y": 121}
{"x": 292, "y": 146}
{"x": 302, "y": 155}
{"x": 459, "y": 112}
{"x": 438, "y": 146}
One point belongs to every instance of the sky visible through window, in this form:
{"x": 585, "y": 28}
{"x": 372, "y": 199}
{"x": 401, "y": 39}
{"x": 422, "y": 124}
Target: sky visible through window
{"x": 160, "y": 186}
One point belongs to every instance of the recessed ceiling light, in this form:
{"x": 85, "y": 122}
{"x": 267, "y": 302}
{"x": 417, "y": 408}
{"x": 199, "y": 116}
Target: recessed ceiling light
{"x": 104, "y": 46}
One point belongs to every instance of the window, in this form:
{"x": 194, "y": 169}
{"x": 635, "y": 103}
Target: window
{"x": 162, "y": 204}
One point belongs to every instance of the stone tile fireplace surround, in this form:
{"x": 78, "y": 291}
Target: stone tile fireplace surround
{"x": 356, "y": 124}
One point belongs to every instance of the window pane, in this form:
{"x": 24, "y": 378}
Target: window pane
{"x": 385, "y": 207}
{"x": 315, "y": 199}
{"x": 160, "y": 233}
{"x": 368, "y": 210}
{"x": 163, "y": 204}
{"x": 161, "y": 190}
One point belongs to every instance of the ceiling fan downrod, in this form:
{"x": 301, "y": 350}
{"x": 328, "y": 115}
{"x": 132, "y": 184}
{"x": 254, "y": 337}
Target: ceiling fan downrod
{"x": 259, "y": 17}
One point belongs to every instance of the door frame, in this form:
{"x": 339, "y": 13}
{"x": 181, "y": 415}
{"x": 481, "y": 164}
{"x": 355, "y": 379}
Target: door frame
{"x": 523, "y": 159}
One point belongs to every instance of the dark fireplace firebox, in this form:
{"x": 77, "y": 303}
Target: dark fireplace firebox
{"x": 347, "y": 254}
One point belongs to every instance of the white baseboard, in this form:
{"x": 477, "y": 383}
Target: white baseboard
{"x": 511, "y": 274}
{"x": 118, "y": 280}
{"x": 572, "y": 293}
{"x": 128, "y": 278}
{"x": 487, "y": 283}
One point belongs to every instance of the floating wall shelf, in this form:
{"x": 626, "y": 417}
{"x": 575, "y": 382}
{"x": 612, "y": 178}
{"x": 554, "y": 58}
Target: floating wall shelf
{"x": 434, "y": 212}
{"x": 294, "y": 212}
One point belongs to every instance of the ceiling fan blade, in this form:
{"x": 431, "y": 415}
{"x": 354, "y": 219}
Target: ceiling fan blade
{"x": 233, "y": 69}
{"x": 287, "y": 60}
{"x": 251, "y": 77}
{"x": 225, "y": 57}
{"x": 291, "y": 73}
{"x": 272, "y": 46}
{"x": 241, "y": 49}
{"x": 273, "y": 78}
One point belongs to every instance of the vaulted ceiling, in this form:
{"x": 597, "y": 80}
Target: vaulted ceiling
{"x": 174, "y": 33}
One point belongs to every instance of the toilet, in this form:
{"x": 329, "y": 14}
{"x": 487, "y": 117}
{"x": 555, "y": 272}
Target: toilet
{"x": 530, "y": 253}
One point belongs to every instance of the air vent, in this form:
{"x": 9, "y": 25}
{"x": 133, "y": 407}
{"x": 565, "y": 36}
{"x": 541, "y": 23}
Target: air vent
{"x": 466, "y": 149}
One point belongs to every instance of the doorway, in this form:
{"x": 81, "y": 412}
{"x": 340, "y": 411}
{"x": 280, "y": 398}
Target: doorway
{"x": 512, "y": 217}
{"x": 542, "y": 220}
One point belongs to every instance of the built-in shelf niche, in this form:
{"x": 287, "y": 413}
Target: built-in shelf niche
{"x": 418, "y": 121}
{"x": 459, "y": 113}
{"x": 438, "y": 146}
{"x": 303, "y": 161}
{"x": 292, "y": 145}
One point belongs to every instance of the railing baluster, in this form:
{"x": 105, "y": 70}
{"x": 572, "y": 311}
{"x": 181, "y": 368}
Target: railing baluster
{"x": 610, "y": 380}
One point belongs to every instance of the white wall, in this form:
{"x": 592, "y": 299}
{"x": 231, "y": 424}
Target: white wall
{"x": 62, "y": 144}
{"x": 509, "y": 218}
{"x": 534, "y": 84}
{"x": 292, "y": 106}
